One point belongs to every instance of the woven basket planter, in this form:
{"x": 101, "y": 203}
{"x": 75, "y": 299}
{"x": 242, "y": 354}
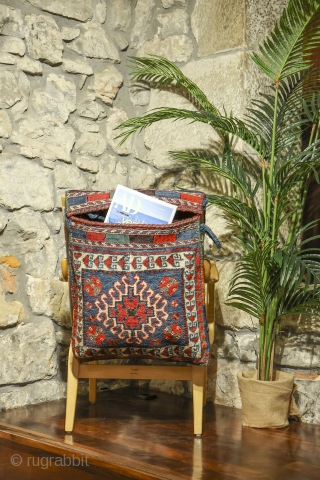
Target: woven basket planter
{"x": 267, "y": 404}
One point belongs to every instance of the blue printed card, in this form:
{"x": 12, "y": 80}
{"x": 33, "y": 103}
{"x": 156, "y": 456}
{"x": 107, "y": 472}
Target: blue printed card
{"x": 131, "y": 206}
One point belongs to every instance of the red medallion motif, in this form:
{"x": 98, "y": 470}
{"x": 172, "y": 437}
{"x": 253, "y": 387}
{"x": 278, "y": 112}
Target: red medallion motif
{"x": 168, "y": 285}
{"x": 132, "y": 312}
{"x": 172, "y": 333}
{"x": 96, "y": 334}
{"x": 100, "y": 338}
{"x": 92, "y": 330}
{"x": 93, "y": 286}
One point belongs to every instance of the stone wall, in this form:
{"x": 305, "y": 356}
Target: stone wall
{"x": 64, "y": 87}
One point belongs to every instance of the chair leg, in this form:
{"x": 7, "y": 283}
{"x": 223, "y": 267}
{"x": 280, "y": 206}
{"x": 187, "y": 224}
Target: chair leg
{"x": 72, "y": 390}
{"x": 93, "y": 387}
{"x": 198, "y": 389}
{"x": 205, "y": 376}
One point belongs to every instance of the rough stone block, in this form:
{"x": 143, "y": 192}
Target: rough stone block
{"x": 78, "y": 9}
{"x": 119, "y": 15}
{"x": 10, "y": 93}
{"x": 111, "y": 173}
{"x": 67, "y": 176}
{"x": 15, "y": 192}
{"x": 44, "y": 140}
{"x": 138, "y": 171}
{"x": 68, "y": 33}
{"x": 26, "y": 230}
{"x": 216, "y": 220}
{"x": 29, "y": 353}
{"x": 5, "y": 125}
{"x": 8, "y": 279}
{"x": 91, "y": 109}
{"x": 307, "y": 396}
{"x": 261, "y": 17}
{"x": 63, "y": 337}
{"x": 56, "y": 100}
{"x": 87, "y": 164}
{"x": 27, "y": 236}
{"x": 76, "y": 66}
{"x": 94, "y": 42}
{"x": 142, "y": 18}
{"x": 86, "y": 126}
{"x": 28, "y": 65}
{"x": 13, "y": 45}
{"x": 42, "y": 263}
{"x": 174, "y": 387}
{"x": 93, "y": 144}
{"x": 225, "y": 315}
{"x": 236, "y": 344}
{"x": 106, "y": 84}
{"x": 223, "y": 383}
{"x": 139, "y": 94}
{"x": 117, "y": 116}
{"x": 301, "y": 324}
{"x": 10, "y": 312}
{"x": 177, "y": 48}
{"x": 100, "y": 12}
{"x": 300, "y": 351}
{"x": 225, "y": 19}
{"x": 53, "y": 221}
{"x": 43, "y": 38}
{"x": 51, "y": 298}
{"x": 173, "y": 23}
{"x": 37, "y": 392}
{"x": 11, "y": 22}
{"x": 7, "y": 58}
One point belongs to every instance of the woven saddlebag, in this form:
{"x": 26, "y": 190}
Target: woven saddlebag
{"x": 137, "y": 290}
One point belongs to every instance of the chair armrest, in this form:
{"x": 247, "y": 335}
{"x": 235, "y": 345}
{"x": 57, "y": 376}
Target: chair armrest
{"x": 211, "y": 274}
{"x": 211, "y": 277}
{"x": 64, "y": 277}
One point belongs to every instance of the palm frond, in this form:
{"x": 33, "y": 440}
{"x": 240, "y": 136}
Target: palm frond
{"x": 228, "y": 125}
{"x": 225, "y": 166}
{"x": 161, "y": 72}
{"x": 311, "y": 109}
{"x": 283, "y": 53}
{"x": 252, "y": 286}
{"x": 136, "y": 124}
{"x": 302, "y": 303}
{"x": 296, "y": 95}
{"x": 298, "y": 268}
{"x": 248, "y": 219}
{"x": 300, "y": 278}
{"x": 296, "y": 168}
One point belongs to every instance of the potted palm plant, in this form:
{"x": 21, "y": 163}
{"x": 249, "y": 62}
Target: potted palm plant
{"x": 277, "y": 274}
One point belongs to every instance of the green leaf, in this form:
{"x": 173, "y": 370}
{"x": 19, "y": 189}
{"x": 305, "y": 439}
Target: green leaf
{"x": 228, "y": 125}
{"x": 225, "y": 166}
{"x": 297, "y": 31}
{"x": 161, "y": 72}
